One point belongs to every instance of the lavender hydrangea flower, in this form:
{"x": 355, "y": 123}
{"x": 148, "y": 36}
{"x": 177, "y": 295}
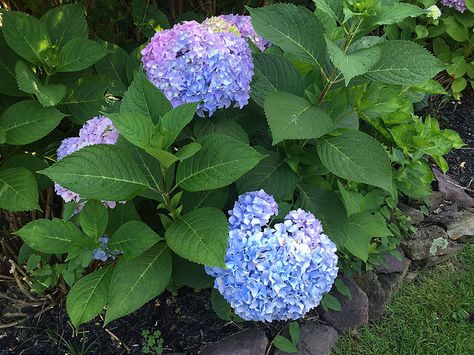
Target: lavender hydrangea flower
{"x": 103, "y": 252}
{"x": 277, "y": 273}
{"x": 459, "y": 5}
{"x": 244, "y": 25}
{"x": 98, "y": 130}
{"x": 192, "y": 63}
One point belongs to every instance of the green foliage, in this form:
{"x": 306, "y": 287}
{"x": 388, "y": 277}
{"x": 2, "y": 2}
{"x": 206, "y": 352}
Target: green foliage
{"x": 200, "y": 236}
{"x": 136, "y": 281}
{"x": 220, "y": 162}
{"x": 288, "y": 345}
{"x": 330, "y": 128}
{"x": 18, "y": 190}
{"x": 88, "y": 296}
{"x": 154, "y": 342}
{"x": 449, "y": 37}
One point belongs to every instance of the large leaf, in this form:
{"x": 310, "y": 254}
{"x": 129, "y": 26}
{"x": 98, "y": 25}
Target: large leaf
{"x": 396, "y": 13}
{"x": 27, "y": 121}
{"x": 137, "y": 281}
{"x": 26, "y": 36}
{"x": 47, "y": 95}
{"x": 113, "y": 66}
{"x": 293, "y": 117}
{"x": 356, "y": 156}
{"x": 354, "y": 64}
{"x": 80, "y": 53}
{"x": 85, "y": 98}
{"x": 210, "y": 198}
{"x": 50, "y": 236}
{"x": 101, "y": 172}
{"x": 271, "y": 174}
{"x": 293, "y": 28}
{"x": 220, "y": 162}
{"x": 200, "y": 236}
{"x": 404, "y": 63}
{"x": 94, "y": 219}
{"x": 143, "y": 97}
{"x": 328, "y": 208}
{"x": 18, "y": 190}
{"x": 132, "y": 239}
{"x": 174, "y": 121}
{"x": 64, "y": 23}
{"x": 134, "y": 127}
{"x": 8, "y": 59}
{"x": 88, "y": 296}
{"x": 220, "y": 125}
{"x": 363, "y": 227}
{"x": 274, "y": 73}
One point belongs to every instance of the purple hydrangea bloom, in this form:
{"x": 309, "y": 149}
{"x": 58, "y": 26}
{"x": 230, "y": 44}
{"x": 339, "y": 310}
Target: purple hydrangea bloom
{"x": 244, "y": 25}
{"x": 459, "y": 5}
{"x": 191, "y": 63}
{"x": 98, "y": 130}
{"x": 103, "y": 253}
{"x": 277, "y": 273}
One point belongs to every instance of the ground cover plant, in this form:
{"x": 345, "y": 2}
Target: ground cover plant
{"x": 259, "y": 154}
{"x": 448, "y": 32}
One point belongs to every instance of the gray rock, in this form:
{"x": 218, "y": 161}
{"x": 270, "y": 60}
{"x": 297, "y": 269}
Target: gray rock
{"x": 392, "y": 263}
{"x": 444, "y": 215}
{"x": 370, "y": 284}
{"x": 452, "y": 190}
{"x": 436, "y": 199}
{"x": 461, "y": 227}
{"x": 391, "y": 283}
{"x": 452, "y": 250}
{"x": 381, "y": 288}
{"x": 426, "y": 242}
{"x": 416, "y": 215}
{"x": 315, "y": 339}
{"x": 354, "y": 311}
{"x": 247, "y": 342}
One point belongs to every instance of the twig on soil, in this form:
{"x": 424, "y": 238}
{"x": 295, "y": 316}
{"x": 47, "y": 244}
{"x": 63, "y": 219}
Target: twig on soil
{"x": 14, "y": 315}
{"x": 21, "y": 302}
{"x": 44, "y": 310}
{"x": 13, "y": 324}
{"x": 19, "y": 283}
{"x": 116, "y": 338}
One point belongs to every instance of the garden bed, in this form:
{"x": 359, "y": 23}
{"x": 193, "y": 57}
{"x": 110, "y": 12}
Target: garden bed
{"x": 186, "y": 320}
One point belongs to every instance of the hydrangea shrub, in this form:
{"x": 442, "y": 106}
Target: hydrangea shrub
{"x": 275, "y": 114}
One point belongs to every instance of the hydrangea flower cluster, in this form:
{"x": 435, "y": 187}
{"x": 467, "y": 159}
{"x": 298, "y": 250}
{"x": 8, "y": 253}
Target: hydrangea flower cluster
{"x": 192, "y": 63}
{"x": 103, "y": 253}
{"x": 459, "y": 5}
{"x": 277, "y": 273}
{"x": 239, "y": 24}
{"x": 98, "y": 130}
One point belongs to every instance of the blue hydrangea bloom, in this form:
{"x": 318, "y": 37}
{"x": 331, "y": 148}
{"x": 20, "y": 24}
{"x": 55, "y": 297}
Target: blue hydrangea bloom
{"x": 459, "y": 5}
{"x": 98, "y": 130}
{"x": 103, "y": 253}
{"x": 192, "y": 63}
{"x": 277, "y": 273}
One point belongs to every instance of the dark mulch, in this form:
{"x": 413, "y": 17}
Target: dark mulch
{"x": 186, "y": 319}
{"x": 459, "y": 116}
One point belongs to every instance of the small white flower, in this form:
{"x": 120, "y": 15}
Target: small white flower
{"x": 433, "y": 12}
